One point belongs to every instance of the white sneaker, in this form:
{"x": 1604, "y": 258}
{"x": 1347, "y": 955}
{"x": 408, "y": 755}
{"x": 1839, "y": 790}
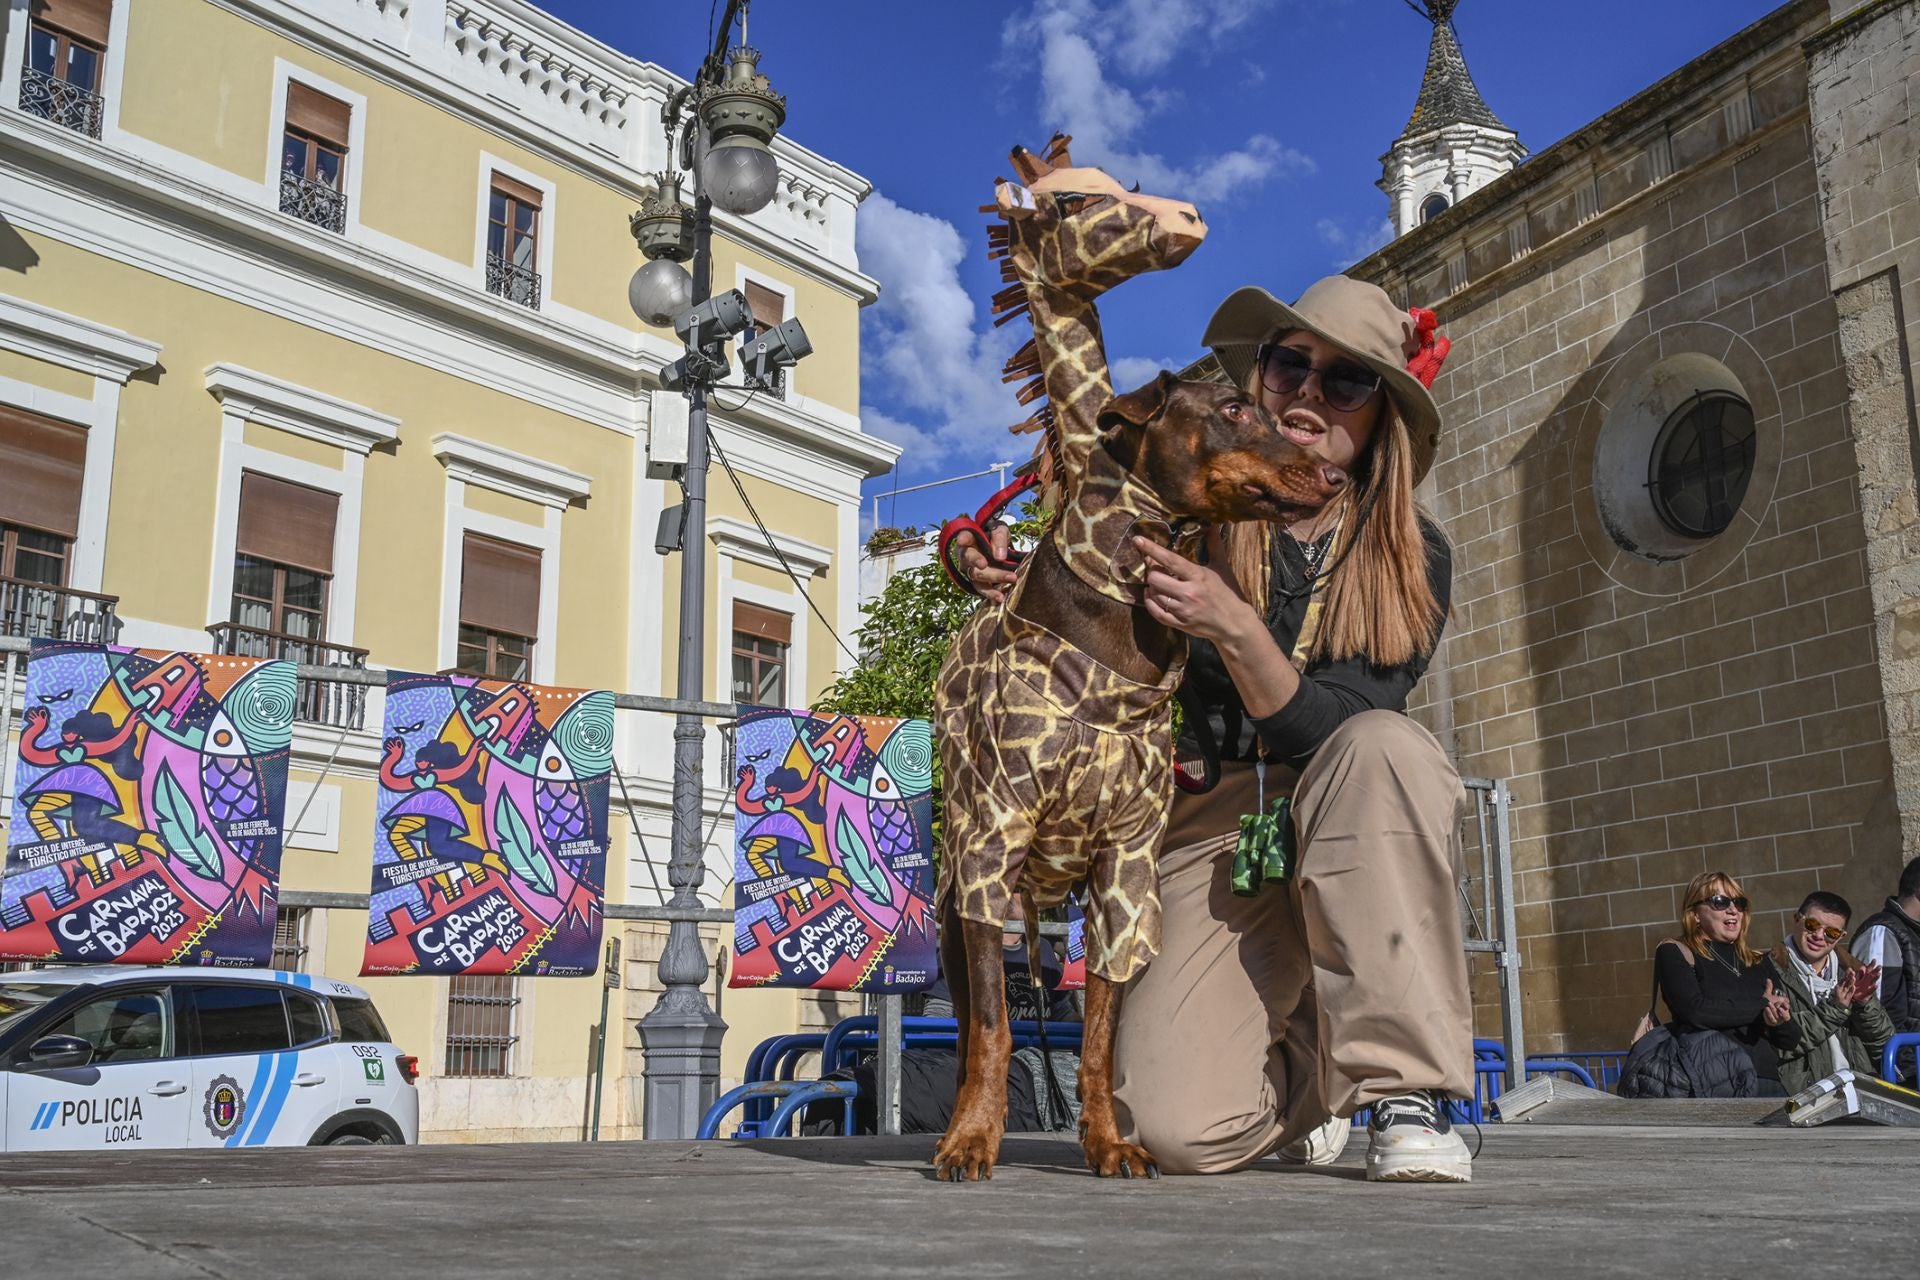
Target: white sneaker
{"x": 1410, "y": 1139}
{"x": 1322, "y": 1146}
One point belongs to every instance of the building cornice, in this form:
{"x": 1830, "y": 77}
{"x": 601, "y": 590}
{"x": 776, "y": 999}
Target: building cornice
{"x": 742, "y": 540}
{"x": 274, "y": 402}
{"x": 514, "y": 474}
{"x": 536, "y": 57}
{"x": 73, "y": 342}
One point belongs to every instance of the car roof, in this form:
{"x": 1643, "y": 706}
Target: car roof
{"x": 101, "y": 975}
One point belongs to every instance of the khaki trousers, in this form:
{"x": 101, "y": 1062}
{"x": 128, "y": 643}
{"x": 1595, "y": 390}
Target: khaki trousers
{"x": 1261, "y": 1017}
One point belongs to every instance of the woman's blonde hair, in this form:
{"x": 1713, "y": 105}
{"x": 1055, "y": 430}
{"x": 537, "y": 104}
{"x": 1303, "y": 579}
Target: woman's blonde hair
{"x": 1693, "y": 935}
{"x": 1379, "y": 601}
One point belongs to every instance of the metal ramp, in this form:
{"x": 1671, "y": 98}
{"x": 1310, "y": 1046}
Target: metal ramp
{"x": 1848, "y": 1095}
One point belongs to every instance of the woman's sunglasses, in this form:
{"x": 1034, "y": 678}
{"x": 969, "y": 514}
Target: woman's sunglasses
{"x": 1814, "y": 929}
{"x": 1720, "y": 902}
{"x": 1345, "y": 386}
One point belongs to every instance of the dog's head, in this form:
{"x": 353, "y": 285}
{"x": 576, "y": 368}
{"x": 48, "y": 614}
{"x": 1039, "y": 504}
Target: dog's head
{"x": 1212, "y": 454}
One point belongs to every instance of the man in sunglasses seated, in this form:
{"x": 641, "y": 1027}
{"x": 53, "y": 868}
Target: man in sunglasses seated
{"x": 1841, "y": 1021}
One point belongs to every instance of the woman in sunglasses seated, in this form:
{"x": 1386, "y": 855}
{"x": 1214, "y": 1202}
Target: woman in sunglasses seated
{"x": 1711, "y": 979}
{"x": 1267, "y": 1020}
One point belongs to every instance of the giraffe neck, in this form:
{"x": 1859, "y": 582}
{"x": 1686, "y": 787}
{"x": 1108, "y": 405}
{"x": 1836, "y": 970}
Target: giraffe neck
{"x": 1094, "y": 533}
{"x": 1068, "y": 346}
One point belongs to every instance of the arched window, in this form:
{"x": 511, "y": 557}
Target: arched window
{"x": 1701, "y": 463}
{"x": 1433, "y": 206}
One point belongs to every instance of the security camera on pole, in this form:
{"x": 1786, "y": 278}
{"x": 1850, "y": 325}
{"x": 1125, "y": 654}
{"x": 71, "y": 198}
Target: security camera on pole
{"x": 730, "y": 118}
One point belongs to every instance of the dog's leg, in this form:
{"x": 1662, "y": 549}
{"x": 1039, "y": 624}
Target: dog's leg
{"x": 953, "y": 966}
{"x": 972, "y": 1141}
{"x": 1107, "y": 1155}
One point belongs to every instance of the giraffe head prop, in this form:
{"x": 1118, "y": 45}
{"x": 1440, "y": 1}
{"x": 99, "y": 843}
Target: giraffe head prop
{"x": 1086, "y": 232}
{"x": 1211, "y": 454}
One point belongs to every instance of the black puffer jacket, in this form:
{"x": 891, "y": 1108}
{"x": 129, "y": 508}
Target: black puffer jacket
{"x": 1699, "y": 1063}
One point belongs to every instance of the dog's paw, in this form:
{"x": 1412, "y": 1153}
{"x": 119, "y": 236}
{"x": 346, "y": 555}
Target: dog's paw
{"x": 1112, "y": 1158}
{"x": 966, "y": 1156}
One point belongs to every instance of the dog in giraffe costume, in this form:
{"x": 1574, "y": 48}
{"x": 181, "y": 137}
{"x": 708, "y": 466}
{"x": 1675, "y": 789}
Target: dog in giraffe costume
{"x": 1052, "y": 708}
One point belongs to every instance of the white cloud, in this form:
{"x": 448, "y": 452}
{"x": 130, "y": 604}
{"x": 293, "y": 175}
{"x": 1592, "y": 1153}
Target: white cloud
{"x": 1350, "y": 243}
{"x": 1131, "y": 372}
{"x": 925, "y": 351}
{"x": 1076, "y": 42}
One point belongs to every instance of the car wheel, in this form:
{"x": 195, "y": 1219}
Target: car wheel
{"x": 350, "y": 1140}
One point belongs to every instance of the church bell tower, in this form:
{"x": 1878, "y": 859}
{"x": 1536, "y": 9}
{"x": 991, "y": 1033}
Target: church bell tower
{"x": 1453, "y": 143}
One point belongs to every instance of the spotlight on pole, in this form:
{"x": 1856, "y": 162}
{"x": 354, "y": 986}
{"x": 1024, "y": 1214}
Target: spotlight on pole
{"x": 742, "y": 114}
{"x": 764, "y": 355}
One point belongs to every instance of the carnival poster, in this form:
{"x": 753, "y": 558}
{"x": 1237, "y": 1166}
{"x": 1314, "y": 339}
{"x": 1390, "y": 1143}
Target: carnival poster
{"x": 1073, "y": 971}
{"x": 149, "y": 804}
{"x": 833, "y": 883}
{"x": 490, "y": 834}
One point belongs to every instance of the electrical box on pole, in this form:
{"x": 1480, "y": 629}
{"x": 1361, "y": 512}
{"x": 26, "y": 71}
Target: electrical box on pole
{"x": 667, "y": 436}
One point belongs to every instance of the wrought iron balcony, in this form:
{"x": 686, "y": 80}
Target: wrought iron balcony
{"x": 35, "y": 610}
{"x": 328, "y": 702}
{"x": 514, "y": 283}
{"x": 314, "y": 202}
{"x": 63, "y": 103}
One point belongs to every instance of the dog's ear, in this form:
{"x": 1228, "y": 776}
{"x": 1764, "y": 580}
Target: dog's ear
{"x": 1138, "y": 408}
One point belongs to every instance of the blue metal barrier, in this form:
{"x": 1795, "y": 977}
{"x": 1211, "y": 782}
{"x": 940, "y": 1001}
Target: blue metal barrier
{"x": 1890, "y": 1056}
{"x": 785, "y": 1097}
{"x": 772, "y": 1093}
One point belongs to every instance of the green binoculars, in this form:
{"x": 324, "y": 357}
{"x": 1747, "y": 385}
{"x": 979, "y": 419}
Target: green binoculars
{"x": 1265, "y": 852}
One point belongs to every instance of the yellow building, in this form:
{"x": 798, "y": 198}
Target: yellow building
{"x": 314, "y": 342}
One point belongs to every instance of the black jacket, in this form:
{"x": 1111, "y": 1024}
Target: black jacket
{"x": 1717, "y": 992}
{"x": 1329, "y": 692}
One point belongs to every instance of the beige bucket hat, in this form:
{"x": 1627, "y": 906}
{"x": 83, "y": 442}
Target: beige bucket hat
{"x": 1353, "y": 315}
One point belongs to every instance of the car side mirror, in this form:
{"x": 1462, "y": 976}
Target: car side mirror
{"x": 53, "y": 1053}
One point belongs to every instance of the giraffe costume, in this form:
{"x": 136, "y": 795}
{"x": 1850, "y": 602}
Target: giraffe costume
{"x": 1058, "y": 768}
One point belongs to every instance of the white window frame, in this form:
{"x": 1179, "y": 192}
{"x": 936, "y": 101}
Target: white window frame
{"x": 285, "y": 73}
{"x": 741, "y": 275}
{"x": 740, "y": 541}
{"x": 554, "y": 488}
{"x": 110, "y": 357}
{"x": 247, "y": 396}
{"x": 112, "y": 72}
{"x": 491, "y": 164}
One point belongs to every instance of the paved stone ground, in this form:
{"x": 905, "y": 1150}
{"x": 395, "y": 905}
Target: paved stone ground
{"x": 1546, "y": 1201}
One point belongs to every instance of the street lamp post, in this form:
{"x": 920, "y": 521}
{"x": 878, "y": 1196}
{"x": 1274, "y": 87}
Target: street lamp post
{"x": 733, "y": 115}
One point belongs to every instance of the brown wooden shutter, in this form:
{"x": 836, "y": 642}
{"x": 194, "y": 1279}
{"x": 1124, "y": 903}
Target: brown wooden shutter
{"x": 41, "y": 466}
{"x": 520, "y": 191}
{"x": 286, "y": 523}
{"x": 87, "y": 19}
{"x": 768, "y": 307}
{"x": 764, "y": 623}
{"x": 311, "y": 111}
{"x": 500, "y": 586}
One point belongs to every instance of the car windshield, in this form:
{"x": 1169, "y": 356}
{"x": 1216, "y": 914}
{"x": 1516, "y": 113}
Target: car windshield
{"x": 18, "y": 999}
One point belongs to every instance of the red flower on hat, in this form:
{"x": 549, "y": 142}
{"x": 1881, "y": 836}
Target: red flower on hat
{"x": 1428, "y": 348}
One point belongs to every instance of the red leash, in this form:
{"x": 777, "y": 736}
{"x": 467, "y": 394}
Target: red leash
{"x": 976, "y": 524}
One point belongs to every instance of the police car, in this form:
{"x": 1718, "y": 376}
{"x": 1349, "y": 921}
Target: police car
{"x": 119, "y": 1057}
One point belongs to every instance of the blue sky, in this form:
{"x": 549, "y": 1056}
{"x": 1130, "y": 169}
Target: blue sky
{"x": 1271, "y": 114}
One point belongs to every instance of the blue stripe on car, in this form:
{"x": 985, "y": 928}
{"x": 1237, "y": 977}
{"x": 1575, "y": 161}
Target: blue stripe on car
{"x": 283, "y": 1068}
{"x": 251, "y": 1101}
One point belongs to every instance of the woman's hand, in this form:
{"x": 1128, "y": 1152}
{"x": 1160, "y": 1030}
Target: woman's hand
{"x": 988, "y": 581}
{"x": 1192, "y": 597}
{"x": 1779, "y": 1009}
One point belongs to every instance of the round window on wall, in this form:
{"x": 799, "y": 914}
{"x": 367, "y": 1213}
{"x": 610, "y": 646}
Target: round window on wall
{"x": 1701, "y": 463}
{"x": 1432, "y": 207}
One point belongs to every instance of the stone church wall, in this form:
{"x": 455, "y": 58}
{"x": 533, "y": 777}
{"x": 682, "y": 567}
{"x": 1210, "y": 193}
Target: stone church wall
{"x": 1660, "y": 705}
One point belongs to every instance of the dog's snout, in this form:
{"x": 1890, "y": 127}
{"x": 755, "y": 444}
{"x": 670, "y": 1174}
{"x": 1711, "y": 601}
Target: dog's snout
{"x": 1331, "y": 476}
